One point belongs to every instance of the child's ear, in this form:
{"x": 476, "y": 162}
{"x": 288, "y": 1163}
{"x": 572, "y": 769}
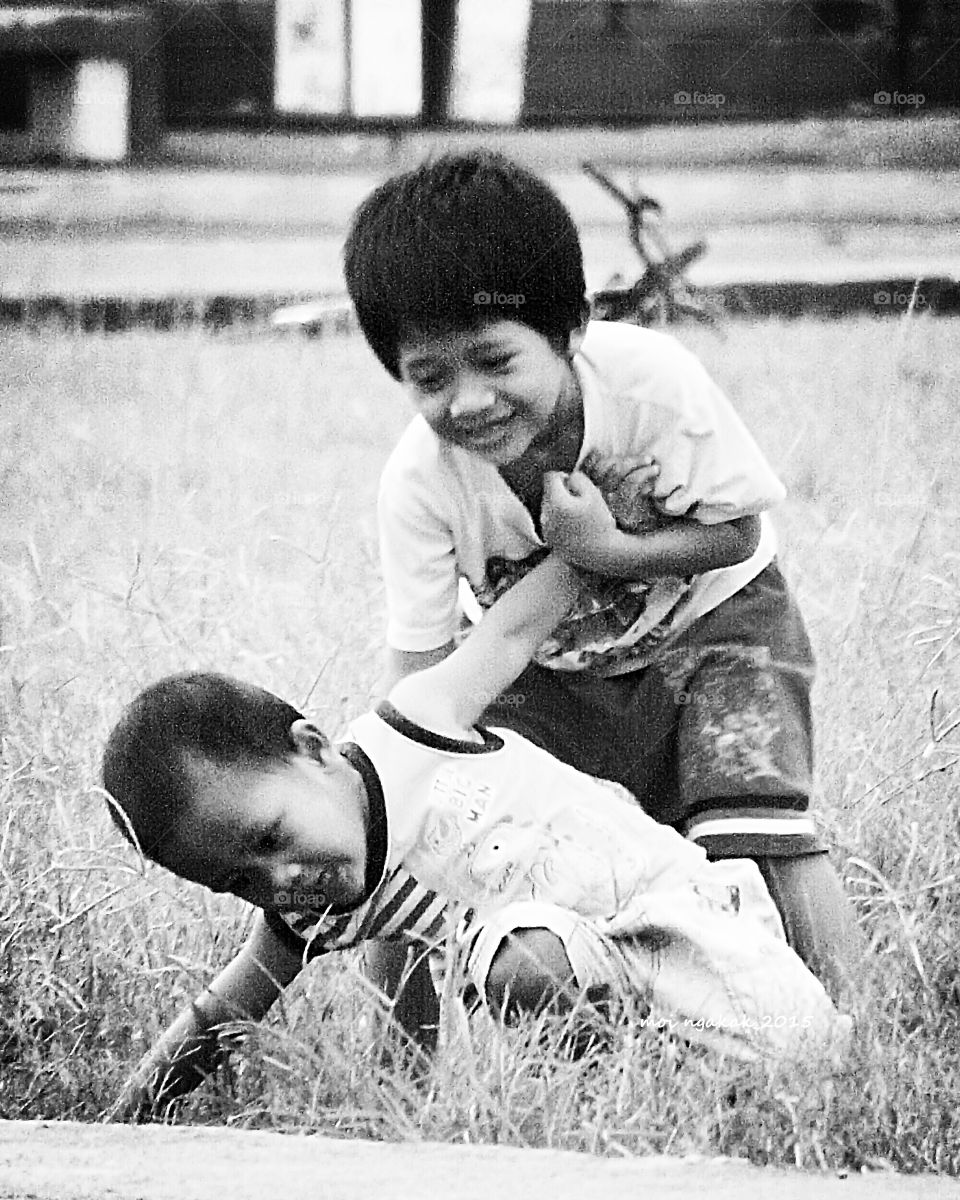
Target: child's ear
{"x": 308, "y": 739}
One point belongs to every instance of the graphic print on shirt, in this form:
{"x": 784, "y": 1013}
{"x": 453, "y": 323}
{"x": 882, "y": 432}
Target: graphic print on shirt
{"x": 488, "y": 857}
{"x": 613, "y": 623}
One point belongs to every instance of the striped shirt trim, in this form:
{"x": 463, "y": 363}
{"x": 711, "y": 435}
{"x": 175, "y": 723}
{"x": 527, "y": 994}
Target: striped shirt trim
{"x": 755, "y": 837}
{"x": 413, "y": 911}
{"x": 402, "y": 908}
{"x": 396, "y": 892}
{"x": 726, "y": 826}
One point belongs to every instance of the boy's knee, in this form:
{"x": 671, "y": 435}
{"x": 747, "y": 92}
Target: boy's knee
{"x": 529, "y": 971}
{"x": 818, "y": 919}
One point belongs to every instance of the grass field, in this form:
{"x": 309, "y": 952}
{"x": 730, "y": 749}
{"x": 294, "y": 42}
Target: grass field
{"x": 170, "y": 501}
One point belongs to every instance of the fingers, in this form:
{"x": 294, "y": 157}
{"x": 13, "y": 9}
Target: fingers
{"x": 580, "y": 485}
{"x": 636, "y": 488}
{"x": 573, "y": 513}
{"x": 640, "y": 480}
{"x": 602, "y": 469}
{"x": 610, "y": 472}
{"x": 565, "y": 489}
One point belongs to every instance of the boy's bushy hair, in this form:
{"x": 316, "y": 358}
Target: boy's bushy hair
{"x": 201, "y": 714}
{"x": 426, "y": 243}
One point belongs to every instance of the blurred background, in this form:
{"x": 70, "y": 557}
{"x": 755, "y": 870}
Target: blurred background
{"x": 102, "y": 81}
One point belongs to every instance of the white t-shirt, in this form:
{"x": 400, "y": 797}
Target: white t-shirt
{"x": 470, "y": 840}
{"x": 479, "y": 825}
{"x": 446, "y": 515}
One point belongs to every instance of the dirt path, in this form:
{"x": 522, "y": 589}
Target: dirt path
{"x": 67, "y": 1161}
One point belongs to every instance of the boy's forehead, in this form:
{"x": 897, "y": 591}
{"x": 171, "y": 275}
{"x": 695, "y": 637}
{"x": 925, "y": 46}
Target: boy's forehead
{"x": 223, "y": 786}
{"x": 205, "y": 772}
{"x": 224, "y": 807}
{"x": 418, "y": 343}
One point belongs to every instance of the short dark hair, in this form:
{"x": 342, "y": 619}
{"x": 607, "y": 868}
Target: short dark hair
{"x": 428, "y": 243}
{"x": 202, "y": 714}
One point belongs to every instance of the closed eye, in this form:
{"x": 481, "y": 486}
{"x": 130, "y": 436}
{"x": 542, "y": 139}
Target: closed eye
{"x": 499, "y": 362}
{"x": 429, "y": 383}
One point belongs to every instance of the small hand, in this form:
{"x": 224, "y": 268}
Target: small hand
{"x": 627, "y": 484}
{"x": 574, "y": 516}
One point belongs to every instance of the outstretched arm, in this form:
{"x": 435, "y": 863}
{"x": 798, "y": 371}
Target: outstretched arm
{"x": 191, "y": 1048}
{"x": 450, "y": 696}
{"x": 626, "y": 484}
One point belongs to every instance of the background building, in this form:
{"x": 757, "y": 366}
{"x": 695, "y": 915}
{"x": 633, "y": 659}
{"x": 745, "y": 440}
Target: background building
{"x": 336, "y": 63}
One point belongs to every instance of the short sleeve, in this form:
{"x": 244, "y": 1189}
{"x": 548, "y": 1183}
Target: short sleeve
{"x": 417, "y": 558}
{"x": 711, "y": 468}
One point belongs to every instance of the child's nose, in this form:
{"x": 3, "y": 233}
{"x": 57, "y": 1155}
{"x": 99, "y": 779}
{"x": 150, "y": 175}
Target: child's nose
{"x": 472, "y": 395}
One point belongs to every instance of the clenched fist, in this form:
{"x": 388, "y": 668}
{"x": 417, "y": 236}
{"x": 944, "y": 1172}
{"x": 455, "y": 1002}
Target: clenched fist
{"x": 626, "y": 484}
{"x": 574, "y": 516}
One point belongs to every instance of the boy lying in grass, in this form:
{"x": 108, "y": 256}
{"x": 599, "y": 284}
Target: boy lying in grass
{"x": 426, "y": 827}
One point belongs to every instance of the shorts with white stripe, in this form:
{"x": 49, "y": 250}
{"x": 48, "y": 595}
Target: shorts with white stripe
{"x": 714, "y": 738}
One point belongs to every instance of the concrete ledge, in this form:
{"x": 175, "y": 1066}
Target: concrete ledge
{"x": 68, "y": 1161}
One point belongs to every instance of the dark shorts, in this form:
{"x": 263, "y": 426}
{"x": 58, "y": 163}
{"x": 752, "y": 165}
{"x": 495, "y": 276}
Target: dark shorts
{"x": 714, "y": 738}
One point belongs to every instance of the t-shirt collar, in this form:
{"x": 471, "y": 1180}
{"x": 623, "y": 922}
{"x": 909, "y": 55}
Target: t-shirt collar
{"x": 378, "y": 833}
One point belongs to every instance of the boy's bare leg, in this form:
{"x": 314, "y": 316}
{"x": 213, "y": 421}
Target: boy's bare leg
{"x": 415, "y": 1006}
{"x": 818, "y": 919}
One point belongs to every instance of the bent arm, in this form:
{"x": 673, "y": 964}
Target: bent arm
{"x": 191, "y": 1048}
{"x": 682, "y": 547}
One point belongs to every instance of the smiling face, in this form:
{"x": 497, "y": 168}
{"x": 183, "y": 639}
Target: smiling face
{"x": 498, "y": 391}
{"x": 291, "y": 836}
